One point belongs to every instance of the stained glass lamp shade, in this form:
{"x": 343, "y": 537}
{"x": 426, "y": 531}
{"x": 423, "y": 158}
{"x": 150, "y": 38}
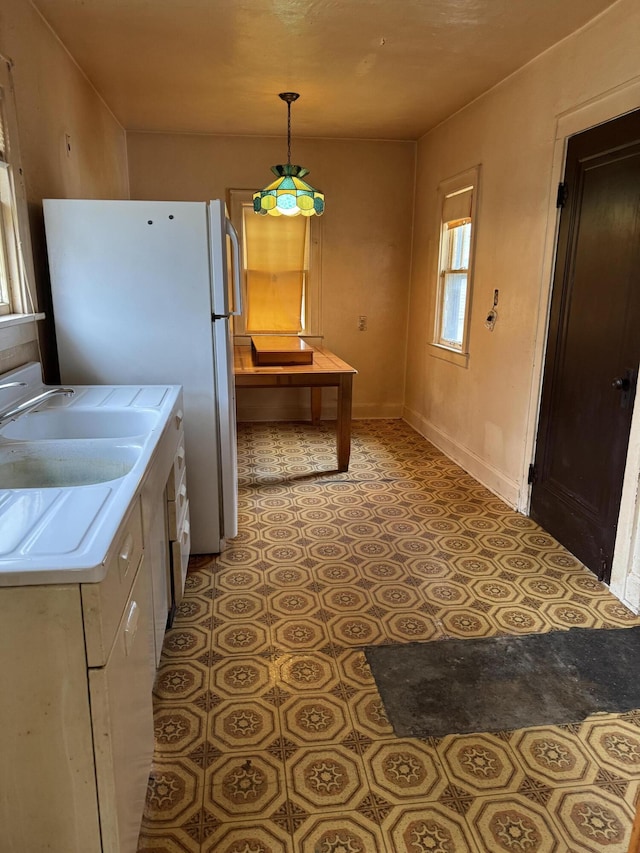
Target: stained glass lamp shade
{"x": 289, "y": 195}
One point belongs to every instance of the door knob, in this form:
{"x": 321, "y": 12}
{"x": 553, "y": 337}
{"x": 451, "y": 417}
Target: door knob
{"x": 621, "y": 384}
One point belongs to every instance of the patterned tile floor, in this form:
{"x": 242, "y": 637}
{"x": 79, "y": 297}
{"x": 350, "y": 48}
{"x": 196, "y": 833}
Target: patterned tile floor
{"x": 271, "y": 737}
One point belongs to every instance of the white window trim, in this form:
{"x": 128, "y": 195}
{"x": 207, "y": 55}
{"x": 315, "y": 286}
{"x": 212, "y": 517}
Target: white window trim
{"x": 236, "y": 199}
{"x": 453, "y": 356}
{"x": 19, "y": 319}
{"x": 19, "y": 252}
{"x": 457, "y": 183}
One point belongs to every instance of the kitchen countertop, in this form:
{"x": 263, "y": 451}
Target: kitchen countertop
{"x": 63, "y": 534}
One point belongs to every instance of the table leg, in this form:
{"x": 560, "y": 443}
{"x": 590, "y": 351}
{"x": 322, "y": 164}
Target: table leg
{"x": 316, "y": 404}
{"x": 343, "y": 427}
{"x": 634, "y": 843}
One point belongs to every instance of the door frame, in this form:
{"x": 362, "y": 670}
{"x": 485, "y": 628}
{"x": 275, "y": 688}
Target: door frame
{"x": 625, "y": 570}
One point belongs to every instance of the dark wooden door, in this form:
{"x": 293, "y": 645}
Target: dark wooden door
{"x": 593, "y": 347}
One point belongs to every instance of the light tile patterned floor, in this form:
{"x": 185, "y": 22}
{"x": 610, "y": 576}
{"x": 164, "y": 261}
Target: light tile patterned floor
{"x": 271, "y": 736}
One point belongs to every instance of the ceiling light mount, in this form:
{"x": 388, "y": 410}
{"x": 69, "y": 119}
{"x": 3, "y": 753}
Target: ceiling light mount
{"x": 289, "y": 195}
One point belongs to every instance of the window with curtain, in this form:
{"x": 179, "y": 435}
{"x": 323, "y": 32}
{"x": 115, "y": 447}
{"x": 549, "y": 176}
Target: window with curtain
{"x": 456, "y": 248}
{"x": 15, "y": 247}
{"x": 281, "y": 271}
{"x": 276, "y": 263}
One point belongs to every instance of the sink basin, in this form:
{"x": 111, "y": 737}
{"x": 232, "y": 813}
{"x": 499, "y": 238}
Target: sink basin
{"x": 58, "y": 464}
{"x": 74, "y": 422}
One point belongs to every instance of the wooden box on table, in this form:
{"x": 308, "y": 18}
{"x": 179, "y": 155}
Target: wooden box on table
{"x": 277, "y": 350}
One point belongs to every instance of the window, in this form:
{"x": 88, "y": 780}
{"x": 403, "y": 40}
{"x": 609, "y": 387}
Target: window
{"x": 456, "y": 246}
{"x": 16, "y": 264}
{"x": 281, "y": 271}
{"x": 454, "y": 267}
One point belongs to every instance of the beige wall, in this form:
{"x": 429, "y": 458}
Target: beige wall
{"x": 484, "y": 416}
{"x": 53, "y": 97}
{"x": 366, "y": 239}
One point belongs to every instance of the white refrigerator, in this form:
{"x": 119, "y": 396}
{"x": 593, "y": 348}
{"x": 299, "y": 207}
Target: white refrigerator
{"x": 141, "y": 294}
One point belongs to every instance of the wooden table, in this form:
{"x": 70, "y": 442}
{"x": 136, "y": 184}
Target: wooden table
{"x": 326, "y": 371}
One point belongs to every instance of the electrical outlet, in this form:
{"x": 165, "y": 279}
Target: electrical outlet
{"x": 362, "y": 323}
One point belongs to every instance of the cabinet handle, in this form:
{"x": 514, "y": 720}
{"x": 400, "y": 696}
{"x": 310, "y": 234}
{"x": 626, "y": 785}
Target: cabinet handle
{"x": 131, "y": 626}
{"x": 124, "y": 557}
{"x": 185, "y": 532}
{"x": 179, "y": 418}
{"x": 182, "y": 495}
{"x": 180, "y": 457}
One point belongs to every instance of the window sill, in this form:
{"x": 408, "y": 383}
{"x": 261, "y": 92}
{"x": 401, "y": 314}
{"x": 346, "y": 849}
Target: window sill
{"x": 450, "y": 355}
{"x": 17, "y": 319}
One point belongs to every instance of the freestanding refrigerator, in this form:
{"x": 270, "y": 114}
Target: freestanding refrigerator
{"x": 141, "y": 295}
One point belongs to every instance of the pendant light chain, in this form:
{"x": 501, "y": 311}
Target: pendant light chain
{"x": 289, "y": 132}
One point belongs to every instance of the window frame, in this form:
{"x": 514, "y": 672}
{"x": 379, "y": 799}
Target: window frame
{"x": 439, "y": 347}
{"x": 447, "y": 271}
{"x": 237, "y": 199}
{"x": 17, "y": 291}
{"x": 6, "y": 279}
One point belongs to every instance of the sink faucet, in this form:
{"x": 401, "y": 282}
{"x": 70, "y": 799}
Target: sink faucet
{"x": 32, "y": 402}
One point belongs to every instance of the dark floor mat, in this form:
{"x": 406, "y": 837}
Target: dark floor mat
{"x": 497, "y": 683}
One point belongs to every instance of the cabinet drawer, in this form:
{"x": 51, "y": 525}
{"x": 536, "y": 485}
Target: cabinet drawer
{"x": 176, "y": 508}
{"x": 175, "y": 479}
{"x": 103, "y": 603}
{"x": 180, "y": 550}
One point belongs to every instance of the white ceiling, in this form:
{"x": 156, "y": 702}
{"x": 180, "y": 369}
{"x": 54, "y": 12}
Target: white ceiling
{"x": 374, "y": 69}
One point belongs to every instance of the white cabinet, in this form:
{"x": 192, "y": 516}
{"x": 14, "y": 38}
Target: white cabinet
{"x": 122, "y": 723}
{"x": 76, "y": 720}
{"x": 157, "y": 552}
{"x": 103, "y": 603}
{"x": 48, "y": 799}
{"x": 178, "y": 523}
{"x": 78, "y": 662}
{"x": 163, "y": 492}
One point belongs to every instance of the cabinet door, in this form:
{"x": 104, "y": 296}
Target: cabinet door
{"x": 156, "y": 547}
{"x": 48, "y": 801}
{"x": 122, "y": 720}
{"x": 180, "y": 549}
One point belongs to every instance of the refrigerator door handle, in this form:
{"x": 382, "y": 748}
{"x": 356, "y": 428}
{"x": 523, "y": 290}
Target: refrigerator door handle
{"x": 235, "y": 249}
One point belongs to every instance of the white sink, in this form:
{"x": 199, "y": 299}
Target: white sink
{"x": 60, "y": 464}
{"x": 74, "y": 422}
{"x": 69, "y": 471}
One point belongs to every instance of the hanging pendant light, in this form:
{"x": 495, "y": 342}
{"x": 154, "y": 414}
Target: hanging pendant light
{"x": 289, "y": 195}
